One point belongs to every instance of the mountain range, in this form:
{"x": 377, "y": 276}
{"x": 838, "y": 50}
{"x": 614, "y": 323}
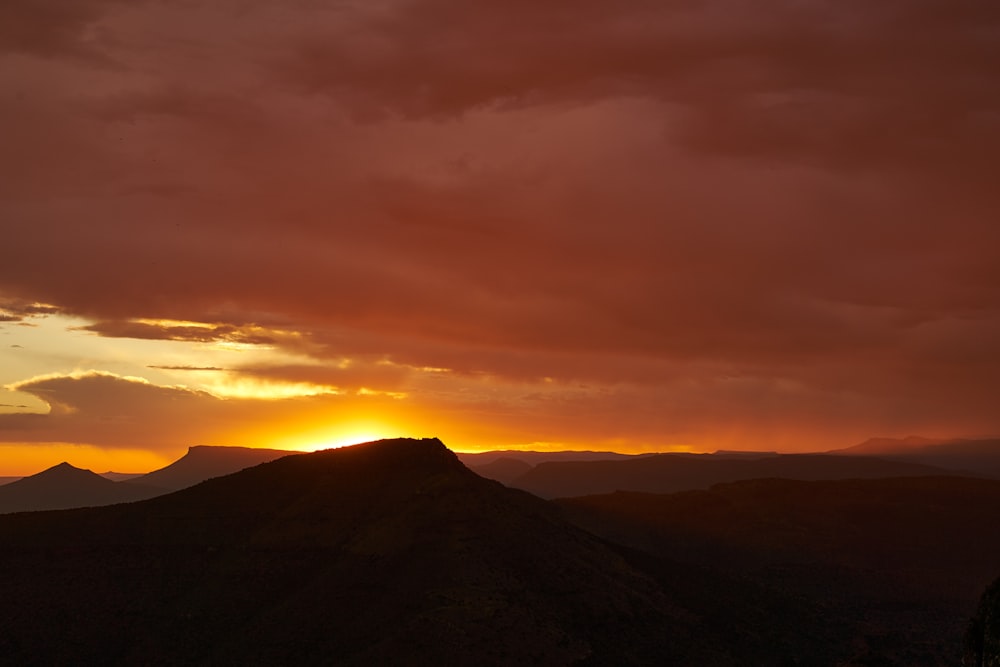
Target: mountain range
{"x": 387, "y": 553}
{"x": 64, "y": 486}
{"x": 979, "y": 457}
{"x": 394, "y": 552}
{"x": 668, "y": 473}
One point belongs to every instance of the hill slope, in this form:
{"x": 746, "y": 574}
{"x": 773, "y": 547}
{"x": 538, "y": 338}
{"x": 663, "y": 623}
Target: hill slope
{"x": 896, "y": 564}
{"x": 386, "y": 553}
{"x": 668, "y": 473}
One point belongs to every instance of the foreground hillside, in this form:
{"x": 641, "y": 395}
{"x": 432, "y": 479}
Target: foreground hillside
{"x": 896, "y": 565}
{"x": 386, "y": 553}
{"x": 395, "y": 553}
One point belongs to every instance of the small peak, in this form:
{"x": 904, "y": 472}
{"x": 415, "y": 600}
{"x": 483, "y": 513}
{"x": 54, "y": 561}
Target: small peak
{"x": 63, "y": 468}
{"x": 66, "y": 467}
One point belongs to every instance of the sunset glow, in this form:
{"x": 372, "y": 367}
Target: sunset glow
{"x": 629, "y": 226}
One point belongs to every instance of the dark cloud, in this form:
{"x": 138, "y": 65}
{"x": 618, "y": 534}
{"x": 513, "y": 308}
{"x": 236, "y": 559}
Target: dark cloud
{"x": 193, "y": 333}
{"x": 12, "y": 310}
{"x": 850, "y": 83}
{"x": 50, "y": 28}
{"x": 795, "y": 199}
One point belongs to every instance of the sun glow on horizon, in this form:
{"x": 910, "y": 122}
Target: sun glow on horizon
{"x": 344, "y": 434}
{"x": 355, "y": 438}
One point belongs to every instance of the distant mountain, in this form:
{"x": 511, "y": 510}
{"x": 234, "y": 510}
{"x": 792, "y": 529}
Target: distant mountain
{"x": 882, "y": 446}
{"x": 896, "y": 565}
{"x": 668, "y": 473}
{"x": 502, "y": 470}
{"x": 476, "y": 459}
{"x": 64, "y": 486}
{"x": 120, "y": 476}
{"x": 8, "y": 480}
{"x": 205, "y": 462}
{"x": 385, "y": 553}
{"x": 978, "y": 457}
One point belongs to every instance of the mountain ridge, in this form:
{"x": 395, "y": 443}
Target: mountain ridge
{"x": 367, "y": 553}
{"x": 65, "y": 486}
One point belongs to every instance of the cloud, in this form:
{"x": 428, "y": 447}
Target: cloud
{"x": 112, "y": 411}
{"x": 187, "y": 368}
{"x": 13, "y": 310}
{"x": 619, "y": 194}
{"x": 839, "y": 82}
{"x": 190, "y": 331}
{"x": 53, "y": 29}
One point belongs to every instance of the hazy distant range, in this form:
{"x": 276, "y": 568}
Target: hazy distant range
{"x": 545, "y": 474}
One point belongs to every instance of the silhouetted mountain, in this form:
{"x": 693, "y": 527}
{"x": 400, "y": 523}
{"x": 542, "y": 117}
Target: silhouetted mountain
{"x": 502, "y": 470}
{"x": 386, "y": 553}
{"x": 882, "y": 446}
{"x": 205, "y": 462}
{"x": 740, "y": 454}
{"x": 64, "y": 486}
{"x": 668, "y": 473}
{"x": 975, "y": 457}
{"x": 534, "y": 458}
{"x": 120, "y": 476}
{"x": 8, "y": 480}
{"x": 895, "y": 565}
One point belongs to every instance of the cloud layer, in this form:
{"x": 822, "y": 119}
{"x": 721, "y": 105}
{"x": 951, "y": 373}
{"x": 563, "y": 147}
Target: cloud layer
{"x": 725, "y": 220}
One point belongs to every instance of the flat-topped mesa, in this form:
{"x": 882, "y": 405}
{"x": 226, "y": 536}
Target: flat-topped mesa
{"x": 207, "y": 461}
{"x": 411, "y": 452}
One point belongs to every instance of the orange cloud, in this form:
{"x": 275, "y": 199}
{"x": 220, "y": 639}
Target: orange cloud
{"x": 723, "y": 220}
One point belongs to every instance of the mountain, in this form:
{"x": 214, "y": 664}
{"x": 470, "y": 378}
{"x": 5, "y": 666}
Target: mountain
{"x": 385, "y": 553}
{"x": 204, "y": 462}
{"x": 503, "y": 470}
{"x": 888, "y": 446}
{"x": 667, "y": 473}
{"x": 120, "y": 476}
{"x": 476, "y": 459}
{"x": 977, "y": 457}
{"x": 8, "y": 480}
{"x": 64, "y": 486}
{"x": 895, "y": 565}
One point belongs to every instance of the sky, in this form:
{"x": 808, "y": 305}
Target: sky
{"x": 593, "y": 224}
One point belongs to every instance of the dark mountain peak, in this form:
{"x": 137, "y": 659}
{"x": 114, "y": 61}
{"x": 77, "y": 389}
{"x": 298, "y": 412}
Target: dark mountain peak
{"x": 65, "y": 470}
{"x": 65, "y": 486}
{"x": 402, "y": 451}
{"x": 370, "y": 554}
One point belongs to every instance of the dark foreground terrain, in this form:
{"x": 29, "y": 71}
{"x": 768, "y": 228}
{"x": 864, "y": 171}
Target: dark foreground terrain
{"x": 395, "y": 553}
{"x": 386, "y": 553}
